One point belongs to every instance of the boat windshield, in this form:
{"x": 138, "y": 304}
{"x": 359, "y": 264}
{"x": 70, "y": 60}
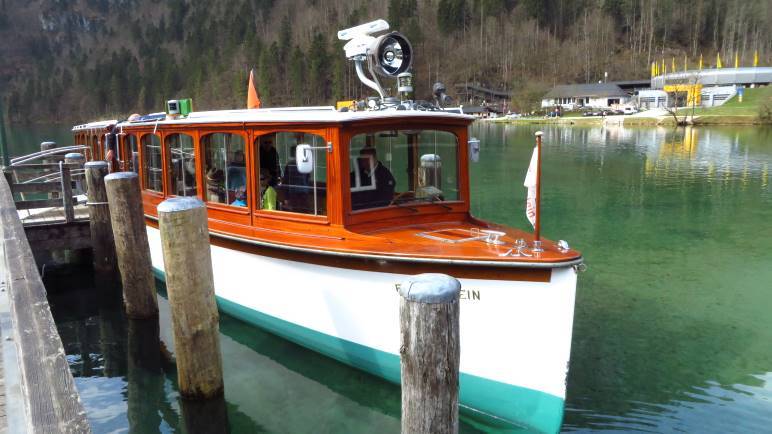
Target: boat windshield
{"x": 399, "y": 167}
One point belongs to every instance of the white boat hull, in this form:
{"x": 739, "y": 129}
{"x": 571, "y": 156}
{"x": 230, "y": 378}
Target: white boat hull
{"x": 515, "y": 335}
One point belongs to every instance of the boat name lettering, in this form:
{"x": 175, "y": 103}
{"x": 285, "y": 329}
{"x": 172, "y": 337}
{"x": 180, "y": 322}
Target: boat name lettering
{"x": 463, "y": 294}
{"x": 469, "y": 294}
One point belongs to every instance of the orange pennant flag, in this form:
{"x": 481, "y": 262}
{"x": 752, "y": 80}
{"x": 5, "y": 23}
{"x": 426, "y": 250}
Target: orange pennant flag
{"x": 253, "y": 100}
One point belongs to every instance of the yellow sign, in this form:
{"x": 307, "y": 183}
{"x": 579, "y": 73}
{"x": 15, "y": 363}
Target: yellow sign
{"x": 693, "y": 91}
{"x": 348, "y": 104}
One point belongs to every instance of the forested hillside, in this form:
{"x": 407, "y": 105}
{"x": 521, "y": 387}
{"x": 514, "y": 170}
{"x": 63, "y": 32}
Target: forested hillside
{"x": 65, "y": 60}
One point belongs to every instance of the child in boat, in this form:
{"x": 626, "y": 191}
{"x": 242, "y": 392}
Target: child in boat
{"x": 267, "y": 193}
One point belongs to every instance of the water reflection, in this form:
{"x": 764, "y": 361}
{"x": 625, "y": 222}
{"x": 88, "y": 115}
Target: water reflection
{"x": 127, "y": 379}
{"x": 672, "y": 326}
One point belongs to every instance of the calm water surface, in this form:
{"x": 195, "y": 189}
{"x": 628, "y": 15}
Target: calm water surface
{"x": 673, "y": 324}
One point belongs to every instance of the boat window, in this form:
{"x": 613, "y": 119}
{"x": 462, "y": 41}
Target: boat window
{"x": 282, "y": 186}
{"x": 152, "y": 162}
{"x": 225, "y": 168}
{"x": 182, "y": 164}
{"x": 132, "y": 159}
{"x": 397, "y": 167}
{"x": 94, "y": 144}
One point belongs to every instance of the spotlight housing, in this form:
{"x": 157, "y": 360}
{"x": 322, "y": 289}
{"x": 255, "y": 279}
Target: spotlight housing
{"x": 388, "y": 55}
{"x": 392, "y": 54}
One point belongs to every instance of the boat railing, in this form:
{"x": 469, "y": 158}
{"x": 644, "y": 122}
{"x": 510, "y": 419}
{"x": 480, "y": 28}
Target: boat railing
{"x": 48, "y": 152}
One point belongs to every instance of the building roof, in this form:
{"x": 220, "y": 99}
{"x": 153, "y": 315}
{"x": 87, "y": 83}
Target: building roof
{"x": 470, "y": 87}
{"x": 589, "y": 89}
{"x": 716, "y": 77}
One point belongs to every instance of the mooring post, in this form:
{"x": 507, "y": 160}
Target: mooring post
{"x": 75, "y": 158}
{"x": 46, "y": 146}
{"x": 131, "y": 246}
{"x": 102, "y": 241}
{"x": 66, "y": 182}
{"x": 429, "y": 353}
{"x": 190, "y": 287}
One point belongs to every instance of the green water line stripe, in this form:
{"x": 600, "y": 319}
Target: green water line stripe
{"x": 498, "y": 406}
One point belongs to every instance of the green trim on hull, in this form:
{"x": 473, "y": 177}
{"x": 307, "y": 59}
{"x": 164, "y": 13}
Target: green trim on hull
{"x": 490, "y": 404}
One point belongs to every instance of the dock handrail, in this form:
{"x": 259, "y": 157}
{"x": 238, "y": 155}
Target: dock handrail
{"x": 54, "y": 176}
{"x": 35, "y": 155}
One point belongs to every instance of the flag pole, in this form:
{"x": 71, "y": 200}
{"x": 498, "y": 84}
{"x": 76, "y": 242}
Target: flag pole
{"x": 537, "y": 225}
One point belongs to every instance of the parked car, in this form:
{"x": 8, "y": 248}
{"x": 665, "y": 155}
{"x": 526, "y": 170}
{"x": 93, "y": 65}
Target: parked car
{"x": 629, "y": 110}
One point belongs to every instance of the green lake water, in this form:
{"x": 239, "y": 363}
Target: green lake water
{"x": 673, "y": 323}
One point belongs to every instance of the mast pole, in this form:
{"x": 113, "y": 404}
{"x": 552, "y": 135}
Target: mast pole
{"x": 537, "y": 225}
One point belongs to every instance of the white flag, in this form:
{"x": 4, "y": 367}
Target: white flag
{"x": 530, "y": 183}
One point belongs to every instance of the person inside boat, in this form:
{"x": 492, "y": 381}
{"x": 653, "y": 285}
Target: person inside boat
{"x": 214, "y": 182}
{"x": 238, "y": 159}
{"x": 241, "y": 197}
{"x": 267, "y": 193}
{"x": 237, "y": 179}
{"x": 371, "y": 171}
{"x": 269, "y": 158}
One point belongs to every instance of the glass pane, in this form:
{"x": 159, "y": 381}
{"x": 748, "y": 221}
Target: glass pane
{"x": 182, "y": 165}
{"x": 396, "y": 167}
{"x": 282, "y": 186}
{"x": 94, "y": 143}
{"x": 225, "y": 169}
{"x": 438, "y": 167}
{"x": 151, "y": 152}
{"x": 133, "y": 157}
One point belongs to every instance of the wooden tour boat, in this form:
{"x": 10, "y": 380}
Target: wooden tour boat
{"x": 315, "y": 214}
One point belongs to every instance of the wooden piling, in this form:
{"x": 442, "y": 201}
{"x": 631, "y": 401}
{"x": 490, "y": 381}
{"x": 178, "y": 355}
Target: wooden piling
{"x": 103, "y": 243}
{"x": 190, "y": 287}
{"x": 429, "y": 353}
{"x": 78, "y": 160}
{"x": 131, "y": 246}
{"x": 66, "y": 182}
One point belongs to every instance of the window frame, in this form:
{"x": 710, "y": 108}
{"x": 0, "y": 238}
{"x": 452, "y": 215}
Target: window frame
{"x": 143, "y": 180}
{"x": 126, "y": 152}
{"x": 219, "y": 210}
{"x": 167, "y": 161}
{"x": 460, "y": 205}
{"x": 326, "y": 133}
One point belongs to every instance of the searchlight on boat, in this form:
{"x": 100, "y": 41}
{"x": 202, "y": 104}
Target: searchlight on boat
{"x": 389, "y": 55}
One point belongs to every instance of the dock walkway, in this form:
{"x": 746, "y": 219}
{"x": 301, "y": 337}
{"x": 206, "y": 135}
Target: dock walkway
{"x": 35, "y": 376}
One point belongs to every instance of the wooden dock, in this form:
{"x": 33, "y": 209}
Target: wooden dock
{"x": 37, "y": 390}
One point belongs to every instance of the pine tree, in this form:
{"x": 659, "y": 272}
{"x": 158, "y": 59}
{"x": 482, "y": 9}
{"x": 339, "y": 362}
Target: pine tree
{"x": 297, "y": 77}
{"x": 451, "y": 15}
{"x": 265, "y": 73}
{"x": 318, "y": 69}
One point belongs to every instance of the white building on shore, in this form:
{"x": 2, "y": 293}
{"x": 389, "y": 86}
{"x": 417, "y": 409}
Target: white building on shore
{"x": 706, "y": 87}
{"x": 595, "y": 95}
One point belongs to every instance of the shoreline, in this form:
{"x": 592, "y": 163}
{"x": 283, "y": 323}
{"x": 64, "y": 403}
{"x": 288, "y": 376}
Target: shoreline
{"x": 631, "y": 120}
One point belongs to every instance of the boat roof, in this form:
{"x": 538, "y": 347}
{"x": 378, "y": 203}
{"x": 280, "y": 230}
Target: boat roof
{"x": 323, "y": 114}
{"x": 95, "y": 125}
